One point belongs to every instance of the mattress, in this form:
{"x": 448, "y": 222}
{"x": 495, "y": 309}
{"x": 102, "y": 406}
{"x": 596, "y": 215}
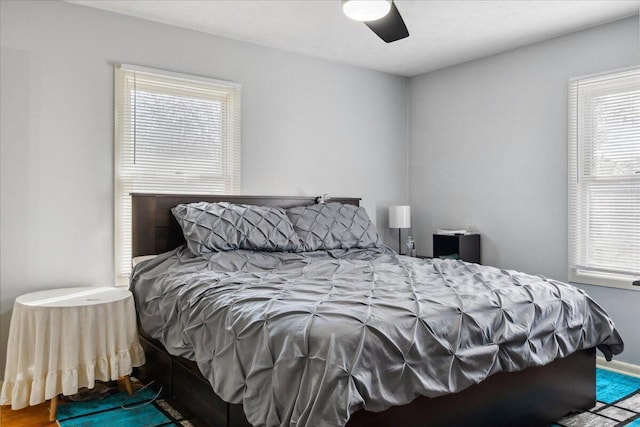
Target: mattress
{"x": 306, "y": 339}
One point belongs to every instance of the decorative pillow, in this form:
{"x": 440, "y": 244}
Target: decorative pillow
{"x": 333, "y": 226}
{"x": 212, "y": 227}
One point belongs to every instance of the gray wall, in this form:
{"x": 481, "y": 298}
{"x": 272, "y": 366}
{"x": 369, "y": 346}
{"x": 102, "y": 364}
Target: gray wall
{"x": 308, "y": 127}
{"x": 488, "y": 149}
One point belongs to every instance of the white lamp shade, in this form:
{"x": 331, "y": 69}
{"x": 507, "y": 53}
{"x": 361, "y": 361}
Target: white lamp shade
{"x": 399, "y": 216}
{"x": 366, "y": 10}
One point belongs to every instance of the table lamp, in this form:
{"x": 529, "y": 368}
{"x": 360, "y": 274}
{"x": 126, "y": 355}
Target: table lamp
{"x": 400, "y": 217}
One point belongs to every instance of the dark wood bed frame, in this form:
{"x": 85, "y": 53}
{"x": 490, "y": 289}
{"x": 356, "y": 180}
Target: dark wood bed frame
{"x": 532, "y": 397}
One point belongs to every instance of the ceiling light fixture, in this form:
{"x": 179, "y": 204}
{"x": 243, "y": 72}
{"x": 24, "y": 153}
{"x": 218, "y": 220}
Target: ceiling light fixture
{"x": 366, "y": 10}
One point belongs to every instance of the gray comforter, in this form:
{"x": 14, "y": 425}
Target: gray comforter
{"x": 306, "y": 339}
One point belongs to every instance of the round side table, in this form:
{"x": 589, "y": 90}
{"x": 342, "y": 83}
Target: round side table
{"x": 64, "y": 339}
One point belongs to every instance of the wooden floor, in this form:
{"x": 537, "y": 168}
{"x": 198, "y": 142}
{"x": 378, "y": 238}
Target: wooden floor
{"x": 31, "y": 416}
{"x": 37, "y": 416}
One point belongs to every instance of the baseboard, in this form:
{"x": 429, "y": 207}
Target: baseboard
{"x": 618, "y": 366}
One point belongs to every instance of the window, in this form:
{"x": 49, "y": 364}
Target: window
{"x": 604, "y": 179}
{"x": 173, "y": 134}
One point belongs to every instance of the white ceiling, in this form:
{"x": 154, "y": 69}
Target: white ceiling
{"x": 442, "y": 33}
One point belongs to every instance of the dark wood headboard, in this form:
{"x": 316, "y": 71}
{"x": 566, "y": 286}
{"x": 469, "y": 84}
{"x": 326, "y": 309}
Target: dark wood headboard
{"x": 155, "y": 230}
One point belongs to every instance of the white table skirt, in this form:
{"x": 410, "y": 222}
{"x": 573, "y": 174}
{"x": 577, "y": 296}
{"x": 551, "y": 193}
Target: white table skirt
{"x": 64, "y": 339}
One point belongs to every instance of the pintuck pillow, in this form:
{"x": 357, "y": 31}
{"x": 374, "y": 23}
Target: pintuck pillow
{"x": 333, "y": 226}
{"x": 213, "y": 227}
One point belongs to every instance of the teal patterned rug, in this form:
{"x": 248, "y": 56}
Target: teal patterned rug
{"x": 617, "y": 403}
{"x": 109, "y": 412}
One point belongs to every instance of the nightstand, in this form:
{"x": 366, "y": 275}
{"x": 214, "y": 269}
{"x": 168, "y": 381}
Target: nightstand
{"x": 466, "y": 246}
{"x": 64, "y": 339}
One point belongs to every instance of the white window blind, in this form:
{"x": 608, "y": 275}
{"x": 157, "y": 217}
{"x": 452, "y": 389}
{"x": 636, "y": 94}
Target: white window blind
{"x": 604, "y": 179}
{"x": 173, "y": 134}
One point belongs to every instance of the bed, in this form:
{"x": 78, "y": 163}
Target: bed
{"x": 533, "y": 396}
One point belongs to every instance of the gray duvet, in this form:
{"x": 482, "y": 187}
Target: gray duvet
{"x": 306, "y": 339}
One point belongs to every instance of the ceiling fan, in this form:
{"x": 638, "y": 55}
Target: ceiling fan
{"x": 381, "y": 16}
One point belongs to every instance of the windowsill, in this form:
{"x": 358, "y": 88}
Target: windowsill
{"x": 603, "y": 279}
{"x": 122, "y": 281}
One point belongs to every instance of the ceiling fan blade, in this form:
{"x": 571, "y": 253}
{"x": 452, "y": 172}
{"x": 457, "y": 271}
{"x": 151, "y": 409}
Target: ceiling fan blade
{"x": 391, "y": 27}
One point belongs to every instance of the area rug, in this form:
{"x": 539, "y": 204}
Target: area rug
{"x": 617, "y": 403}
{"x": 109, "y": 412}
